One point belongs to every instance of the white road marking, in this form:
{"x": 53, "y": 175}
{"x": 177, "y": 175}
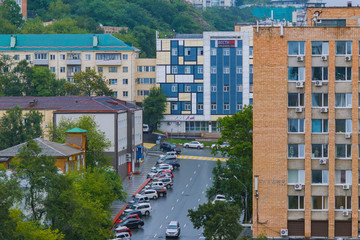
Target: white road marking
{"x": 199, "y": 200}
{"x": 206, "y": 185}
{"x": 155, "y": 235}
{"x": 182, "y": 193}
{"x": 210, "y": 178}
{"x": 190, "y": 179}
{"x": 194, "y": 207}
{"x": 185, "y": 225}
{"x": 172, "y": 208}
{"x": 194, "y": 172}
{"x": 160, "y": 226}
{"x": 203, "y": 192}
{"x": 177, "y": 200}
{"x": 198, "y": 165}
{"x": 166, "y": 217}
{"x": 187, "y": 185}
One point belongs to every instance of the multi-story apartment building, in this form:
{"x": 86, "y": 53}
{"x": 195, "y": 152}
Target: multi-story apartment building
{"x": 145, "y": 77}
{"x": 23, "y": 6}
{"x": 67, "y": 54}
{"x": 205, "y": 76}
{"x": 212, "y": 3}
{"x": 306, "y": 126}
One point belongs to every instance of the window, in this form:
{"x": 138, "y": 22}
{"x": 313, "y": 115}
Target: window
{"x": 125, "y": 69}
{"x": 226, "y": 88}
{"x": 342, "y": 202}
{"x": 343, "y": 47}
{"x": 319, "y": 73}
{"x": 100, "y": 69}
{"x": 213, "y": 70}
{"x": 343, "y": 100}
{"x": 113, "y": 81}
{"x": 52, "y": 57}
{"x": 200, "y": 106}
{"x": 87, "y": 57}
{"x": 213, "y": 52}
{"x": 239, "y": 70}
{"x": 28, "y": 57}
{"x": 226, "y": 106}
{"x": 213, "y": 89}
{"x": 200, "y": 88}
{"x": 343, "y": 150}
{"x": 62, "y": 56}
{"x": 296, "y": 74}
{"x": 213, "y": 106}
{"x": 226, "y": 51}
{"x": 319, "y": 100}
{"x": 296, "y": 125}
{"x": 112, "y": 69}
{"x": 115, "y": 94}
{"x": 146, "y": 80}
{"x": 296, "y": 48}
{"x": 62, "y": 69}
{"x": 125, "y": 81}
{"x": 296, "y": 202}
{"x": 239, "y": 88}
{"x": 87, "y": 68}
{"x": 251, "y": 49}
{"x": 319, "y": 126}
{"x": 238, "y": 51}
{"x": 187, "y": 106}
{"x": 187, "y": 51}
{"x": 296, "y": 150}
{"x": 187, "y": 88}
{"x": 295, "y": 99}
{"x": 319, "y": 150}
{"x": 251, "y": 69}
{"x": 174, "y": 52}
{"x": 125, "y": 93}
{"x": 200, "y": 52}
{"x": 143, "y": 93}
{"x": 187, "y": 69}
{"x": 41, "y": 56}
{"x": 200, "y": 70}
{"x": 238, "y": 106}
{"x": 319, "y": 203}
{"x": 174, "y": 88}
{"x": 174, "y": 106}
{"x": 174, "y": 69}
{"x": 296, "y": 176}
{"x": 319, "y": 48}
{"x": 343, "y": 73}
{"x": 52, "y": 69}
{"x": 343, "y": 125}
{"x": 343, "y": 177}
{"x": 108, "y": 56}
{"x": 16, "y": 57}
{"x": 125, "y": 57}
{"x": 226, "y": 70}
{"x": 319, "y": 177}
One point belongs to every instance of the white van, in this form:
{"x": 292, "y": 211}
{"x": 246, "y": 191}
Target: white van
{"x": 146, "y": 128}
{"x": 122, "y": 236}
{"x": 144, "y": 208}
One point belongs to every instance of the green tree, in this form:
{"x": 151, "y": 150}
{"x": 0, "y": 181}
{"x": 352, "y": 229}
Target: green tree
{"x": 88, "y": 83}
{"x": 219, "y": 220}
{"x": 65, "y": 26}
{"x": 6, "y": 26}
{"x": 58, "y": 10}
{"x": 34, "y": 26}
{"x": 154, "y": 107}
{"x": 16, "y": 127}
{"x": 11, "y": 11}
{"x": 96, "y": 139}
{"x": 41, "y": 82}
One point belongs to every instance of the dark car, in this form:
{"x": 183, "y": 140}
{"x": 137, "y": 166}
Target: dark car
{"x": 132, "y": 223}
{"x": 131, "y": 213}
{"x": 173, "y": 163}
{"x": 122, "y": 219}
{"x": 160, "y": 190}
{"x": 170, "y": 147}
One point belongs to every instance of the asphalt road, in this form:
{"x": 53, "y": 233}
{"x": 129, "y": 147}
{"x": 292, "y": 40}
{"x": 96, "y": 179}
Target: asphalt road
{"x": 189, "y": 190}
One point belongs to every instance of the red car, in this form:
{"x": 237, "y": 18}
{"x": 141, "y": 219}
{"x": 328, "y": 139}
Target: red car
{"x": 121, "y": 219}
{"x": 119, "y": 229}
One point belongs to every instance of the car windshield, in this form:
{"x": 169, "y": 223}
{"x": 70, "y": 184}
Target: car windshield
{"x": 172, "y": 227}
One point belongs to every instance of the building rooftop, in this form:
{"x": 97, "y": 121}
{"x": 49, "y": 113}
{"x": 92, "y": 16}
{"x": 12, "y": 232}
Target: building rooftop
{"x": 48, "y": 148}
{"x": 62, "y": 42}
{"x": 76, "y": 130}
{"x": 68, "y": 103}
{"x": 181, "y": 35}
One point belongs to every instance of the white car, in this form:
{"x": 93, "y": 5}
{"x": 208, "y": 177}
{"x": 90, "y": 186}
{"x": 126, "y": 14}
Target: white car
{"x": 194, "y": 144}
{"x": 150, "y": 193}
{"x": 122, "y": 236}
{"x": 216, "y": 146}
{"x": 220, "y": 198}
{"x": 144, "y": 208}
{"x": 173, "y": 229}
{"x": 164, "y": 165}
{"x": 146, "y": 128}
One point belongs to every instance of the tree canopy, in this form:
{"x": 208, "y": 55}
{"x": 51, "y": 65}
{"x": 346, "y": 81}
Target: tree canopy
{"x": 154, "y": 106}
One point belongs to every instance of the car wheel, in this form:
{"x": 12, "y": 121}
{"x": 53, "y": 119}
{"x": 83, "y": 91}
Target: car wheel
{"x": 186, "y": 146}
{"x": 198, "y": 147}
{"x": 139, "y": 226}
{"x": 147, "y": 213}
{"x": 161, "y": 194}
{"x": 167, "y": 186}
{"x": 155, "y": 197}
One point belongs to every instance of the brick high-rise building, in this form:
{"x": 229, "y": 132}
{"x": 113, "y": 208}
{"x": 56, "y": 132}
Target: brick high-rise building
{"x": 306, "y": 126}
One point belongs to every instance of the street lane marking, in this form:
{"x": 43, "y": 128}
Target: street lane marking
{"x": 199, "y": 200}
{"x": 203, "y": 158}
{"x": 191, "y": 179}
{"x": 172, "y": 208}
{"x": 194, "y": 207}
{"x": 166, "y": 217}
{"x": 198, "y": 165}
{"x": 182, "y": 193}
{"x": 177, "y": 200}
{"x": 187, "y": 185}
{"x": 210, "y": 178}
{"x": 207, "y": 185}
{"x": 185, "y": 225}
{"x": 160, "y": 226}
{"x": 155, "y": 235}
{"x": 194, "y": 172}
{"x": 203, "y": 192}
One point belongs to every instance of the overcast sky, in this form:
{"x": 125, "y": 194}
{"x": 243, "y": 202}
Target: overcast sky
{"x": 340, "y": 3}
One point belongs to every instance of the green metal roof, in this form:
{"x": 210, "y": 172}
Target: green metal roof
{"x": 76, "y": 130}
{"x": 63, "y": 42}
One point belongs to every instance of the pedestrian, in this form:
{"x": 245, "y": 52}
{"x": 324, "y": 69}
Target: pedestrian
{"x": 130, "y": 175}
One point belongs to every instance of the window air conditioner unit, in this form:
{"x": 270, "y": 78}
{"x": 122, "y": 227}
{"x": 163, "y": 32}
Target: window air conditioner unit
{"x": 346, "y": 187}
{"x": 324, "y": 57}
{"x": 299, "y": 84}
{"x": 346, "y": 213}
{"x": 348, "y": 58}
{"x": 323, "y": 161}
{"x": 318, "y": 83}
{"x": 284, "y": 232}
{"x": 324, "y": 110}
{"x": 298, "y": 187}
{"x": 347, "y": 135}
{"x": 298, "y": 109}
{"x": 300, "y": 58}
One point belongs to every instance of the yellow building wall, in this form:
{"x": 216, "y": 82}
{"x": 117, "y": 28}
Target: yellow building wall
{"x": 138, "y": 86}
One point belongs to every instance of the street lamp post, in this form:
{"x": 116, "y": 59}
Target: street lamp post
{"x": 246, "y": 195}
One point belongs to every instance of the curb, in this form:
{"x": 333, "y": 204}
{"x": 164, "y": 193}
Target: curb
{"x": 137, "y": 191}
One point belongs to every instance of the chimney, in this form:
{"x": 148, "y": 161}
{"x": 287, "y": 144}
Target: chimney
{"x": 95, "y": 41}
{"x": 76, "y": 137}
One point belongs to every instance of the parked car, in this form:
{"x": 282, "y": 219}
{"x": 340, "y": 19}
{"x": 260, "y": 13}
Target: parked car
{"x": 167, "y": 181}
{"x": 122, "y": 236}
{"x": 174, "y": 164}
{"x": 159, "y": 173}
{"x": 166, "y": 174}
{"x": 157, "y": 183}
{"x": 170, "y": 147}
{"x": 173, "y": 229}
{"x": 144, "y": 208}
{"x": 121, "y": 219}
{"x": 139, "y": 199}
{"x": 146, "y": 128}
{"x": 164, "y": 166}
{"x": 131, "y": 212}
{"x": 220, "y": 198}
{"x": 118, "y": 229}
{"x": 194, "y": 144}
{"x": 133, "y": 223}
{"x": 164, "y": 158}
{"x": 150, "y": 193}
{"x": 161, "y": 191}
{"x": 217, "y": 146}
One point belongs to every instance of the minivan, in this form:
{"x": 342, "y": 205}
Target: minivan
{"x": 139, "y": 199}
{"x": 122, "y": 236}
{"x": 144, "y": 208}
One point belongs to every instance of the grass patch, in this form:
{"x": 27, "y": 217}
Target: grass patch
{"x": 157, "y": 131}
{"x": 182, "y": 141}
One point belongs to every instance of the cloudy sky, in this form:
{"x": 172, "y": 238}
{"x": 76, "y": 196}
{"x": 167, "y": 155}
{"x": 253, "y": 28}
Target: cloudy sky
{"x": 341, "y": 3}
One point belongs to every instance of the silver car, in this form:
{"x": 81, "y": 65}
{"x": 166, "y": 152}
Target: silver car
{"x": 173, "y": 229}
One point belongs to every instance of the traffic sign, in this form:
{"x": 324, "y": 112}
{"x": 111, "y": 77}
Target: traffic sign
{"x": 159, "y": 137}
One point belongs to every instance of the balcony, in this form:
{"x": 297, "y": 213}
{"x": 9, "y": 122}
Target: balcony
{"x": 108, "y": 59}
{"x": 73, "y": 59}
{"x": 72, "y": 70}
{"x": 41, "y": 62}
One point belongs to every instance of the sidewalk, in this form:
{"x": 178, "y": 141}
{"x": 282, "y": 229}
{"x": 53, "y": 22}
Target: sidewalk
{"x": 131, "y": 186}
